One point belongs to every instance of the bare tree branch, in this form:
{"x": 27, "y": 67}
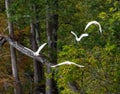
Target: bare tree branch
{"x": 22, "y": 49}
{"x": 2, "y": 41}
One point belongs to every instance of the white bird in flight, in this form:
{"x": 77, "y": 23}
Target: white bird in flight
{"x": 96, "y": 23}
{"x": 67, "y": 63}
{"x": 38, "y": 51}
{"x": 78, "y": 39}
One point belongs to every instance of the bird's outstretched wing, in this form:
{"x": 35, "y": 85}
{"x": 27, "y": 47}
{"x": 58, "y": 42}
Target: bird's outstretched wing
{"x": 93, "y": 22}
{"x": 67, "y": 63}
{"x": 74, "y": 34}
{"x": 39, "y": 49}
{"x": 56, "y": 65}
{"x": 76, "y": 37}
{"x": 83, "y": 35}
{"x": 77, "y": 65}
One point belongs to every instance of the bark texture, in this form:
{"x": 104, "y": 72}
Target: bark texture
{"x": 17, "y": 83}
{"x": 52, "y": 26}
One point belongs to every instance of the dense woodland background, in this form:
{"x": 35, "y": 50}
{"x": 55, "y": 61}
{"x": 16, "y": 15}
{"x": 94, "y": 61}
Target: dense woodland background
{"x": 34, "y": 22}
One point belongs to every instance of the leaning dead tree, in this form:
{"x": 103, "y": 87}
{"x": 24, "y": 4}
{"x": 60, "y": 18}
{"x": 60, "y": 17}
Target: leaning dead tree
{"x": 41, "y": 58}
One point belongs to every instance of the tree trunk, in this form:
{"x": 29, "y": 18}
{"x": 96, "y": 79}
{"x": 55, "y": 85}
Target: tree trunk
{"x": 17, "y": 84}
{"x": 35, "y": 39}
{"x": 36, "y": 23}
{"x": 52, "y": 26}
{"x": 38, "y": 68}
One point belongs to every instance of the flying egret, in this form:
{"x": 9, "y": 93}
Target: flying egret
{"x": 67, "y": 63}
{"x": 38, "y": 51}
{"x": 96, "y": 23}
{"x": 78, "y": 39}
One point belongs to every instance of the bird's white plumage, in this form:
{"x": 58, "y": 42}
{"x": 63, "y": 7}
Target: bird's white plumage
{"x": 38, "y": 51}
{"x": 76, "y": 37}
{"x": 67, "y": 63}
{"x": 93, "y": 22}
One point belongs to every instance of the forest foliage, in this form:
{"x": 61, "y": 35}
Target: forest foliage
{"x": 99, "y": 53}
